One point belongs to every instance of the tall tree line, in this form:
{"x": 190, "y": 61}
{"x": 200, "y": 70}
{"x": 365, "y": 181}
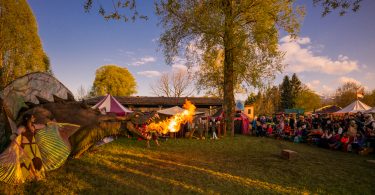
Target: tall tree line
{"x": 21, "y": 50}
{"x": 291, "y": 93}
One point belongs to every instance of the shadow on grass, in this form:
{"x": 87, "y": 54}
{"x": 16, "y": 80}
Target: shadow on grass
{"x": 217, "y": 175}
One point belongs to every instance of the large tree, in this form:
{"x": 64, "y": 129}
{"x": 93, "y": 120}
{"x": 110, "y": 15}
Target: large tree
{"x": 296, "y": 89}
{"x": 246, "y": 32}
{"x": 286, "y": 93}
{"x": 21, "y": 50}
{"x": 267, "y": 102}
{"x": 114, "y": 80}
{"x": 307, "y": 99}
{"x": 346, "y": 93}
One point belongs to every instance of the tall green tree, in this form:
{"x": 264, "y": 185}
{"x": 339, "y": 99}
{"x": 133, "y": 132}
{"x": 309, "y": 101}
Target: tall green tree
{"x": 246, "y": 31}
{"x": 114, "y": 80}
{"x": 267, "y": 101}
{"x": 21, "y": 50}
{"x": 296, "y": 89}
{"x": 286, "y": 93}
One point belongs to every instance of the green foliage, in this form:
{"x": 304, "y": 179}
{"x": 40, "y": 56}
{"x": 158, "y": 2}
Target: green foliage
{"x": 308, "y": 100}
{"x": 369, "y": 98}
{"x": 250, "y": 99}
{"x": 114, "y": 80}
{"x": 21, "y": 50}
{"x": 267, "y": 101}
{"x": 121, "y": 10}
{"x": 246, "y": 32}
{"x": 342, "y": 5}
{"x": 286, "y": 93}
{"x": 346, "y": 94}
{"x": 290, "y": 90}
{"x": 296, "y": 89}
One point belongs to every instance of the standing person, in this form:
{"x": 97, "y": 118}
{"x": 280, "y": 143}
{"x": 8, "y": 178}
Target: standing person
{"x": 316, "y": 122}
{"x": 200, "y": 128}
{"x": 213, "y": 129}
{"x": 206, "y": 128}
{"x": 32, "y": 167}
{"x": 254, "y": 126}
{"x": 292, "y": 122}
{"x": 218, "y": 128}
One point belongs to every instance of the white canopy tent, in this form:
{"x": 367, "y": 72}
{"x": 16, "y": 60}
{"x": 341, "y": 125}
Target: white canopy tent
{"x": 171, "y": 111}
{"x": 175, "y": 110}
{"x": 356, "y": 106}
{"x": 371, "y": 110}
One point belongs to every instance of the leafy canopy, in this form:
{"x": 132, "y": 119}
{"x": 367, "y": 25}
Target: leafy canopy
{"x": 115, "y": 80}
{"x": 21, "y": 50}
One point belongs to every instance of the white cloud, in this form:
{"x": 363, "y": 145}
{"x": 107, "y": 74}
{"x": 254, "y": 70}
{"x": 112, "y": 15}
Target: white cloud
{"x": 370, "y": 76}
{"x": 300, "y": 58}
{"x": 179, "y": 67}
{"x": 149, "y": 73}
{"x": 327, "y": 90}
{"x": 144, "y": 60}
{"x": 313, "y": 85}
{"x": 344, "y": 79}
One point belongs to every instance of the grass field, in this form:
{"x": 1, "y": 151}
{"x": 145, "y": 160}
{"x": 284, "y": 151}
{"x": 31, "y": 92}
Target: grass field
{"x": 239, "y": 165}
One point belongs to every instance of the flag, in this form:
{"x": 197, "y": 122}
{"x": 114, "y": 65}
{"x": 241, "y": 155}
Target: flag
{"x": 360, "y": 93}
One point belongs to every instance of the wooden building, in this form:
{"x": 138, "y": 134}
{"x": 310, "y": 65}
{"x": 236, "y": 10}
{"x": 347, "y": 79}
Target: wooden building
{"x": 209, "y": 105}
{"x": 249, "y": 111}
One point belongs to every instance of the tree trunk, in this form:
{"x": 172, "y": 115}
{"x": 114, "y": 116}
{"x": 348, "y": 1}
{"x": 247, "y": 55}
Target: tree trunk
{"x": 228, "y": 68}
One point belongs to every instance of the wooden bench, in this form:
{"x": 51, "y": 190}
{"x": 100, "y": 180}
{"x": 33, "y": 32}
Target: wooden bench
{"x": 289, "y": 154}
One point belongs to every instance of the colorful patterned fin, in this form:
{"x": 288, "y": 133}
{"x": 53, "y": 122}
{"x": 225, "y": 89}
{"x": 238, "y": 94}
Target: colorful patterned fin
{"x": 10, "y": 170}
{"x": 53, "y": 148}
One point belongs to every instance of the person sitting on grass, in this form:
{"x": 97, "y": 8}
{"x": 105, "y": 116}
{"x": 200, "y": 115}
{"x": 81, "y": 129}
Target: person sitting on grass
{"x": 325, "y": 139}
{"x": 287, "y": 131}
{"x": 298, "y": 135}
{"x": 358, "y": 143}
{"x": 269, "y": 130}
{"x": 344, "y": 142}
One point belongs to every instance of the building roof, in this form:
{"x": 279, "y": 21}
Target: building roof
{"x": 161, "y": 101}
{"x": 327, "y": 109}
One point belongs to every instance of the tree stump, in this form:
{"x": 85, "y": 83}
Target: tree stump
{"x": 288, "y": 154}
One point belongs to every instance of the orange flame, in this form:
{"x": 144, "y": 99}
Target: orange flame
{"x": 173, "y": 124}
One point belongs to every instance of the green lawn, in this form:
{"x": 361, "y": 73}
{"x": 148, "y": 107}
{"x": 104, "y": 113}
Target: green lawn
{"x": 239, "y": 165}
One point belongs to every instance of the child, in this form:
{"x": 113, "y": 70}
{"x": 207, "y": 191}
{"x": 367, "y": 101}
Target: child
{"x": 269, "y": 130}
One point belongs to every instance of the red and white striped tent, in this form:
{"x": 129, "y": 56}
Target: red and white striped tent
{"x": 110, "y": 105}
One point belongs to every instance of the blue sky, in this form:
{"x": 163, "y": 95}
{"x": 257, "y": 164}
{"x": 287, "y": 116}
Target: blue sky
{"x": 330, "y": 50}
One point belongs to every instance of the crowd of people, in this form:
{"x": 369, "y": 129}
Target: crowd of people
{"x": 351, "y": 133}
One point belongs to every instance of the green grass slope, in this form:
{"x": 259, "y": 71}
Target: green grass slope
{"x": 239, "y": 165}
